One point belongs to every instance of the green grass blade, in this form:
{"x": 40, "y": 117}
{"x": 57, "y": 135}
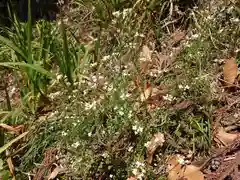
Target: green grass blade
{"x": 67, "y": 63}
{"x": 3, "y": 148}
{"x": 11, "y": 45}
{"x": 29, "y": 33}
{"x": 31, "y": 66}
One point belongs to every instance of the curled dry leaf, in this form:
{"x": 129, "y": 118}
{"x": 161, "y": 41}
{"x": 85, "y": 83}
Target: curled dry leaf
{"x": 145, "y": 59}
{"x": 132, "y": 178}
{"x": 152, "y": 92}
{"x": 177, "y": 171}
{"x": 17, "y": 129}
{"x": 230, "y": 71}
{"x": 156, "y": 141}
{"x": 224, "y": 137}
{"x": 146, "y": 54}
{"x": 183, "y": 105}
{"x": 178, "y": 36}
{"x": 146, "y": 94}
{"x": 58, "y": 170}
{"x": 10, "y": 165}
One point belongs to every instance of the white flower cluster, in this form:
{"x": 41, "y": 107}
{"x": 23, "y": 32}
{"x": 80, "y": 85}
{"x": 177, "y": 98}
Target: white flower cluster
{"x": 64, "y": 133}
{"x": 124, "y": 13}
{"x": 92, "y": 105}
{"x": 138, "y": 170}
{"x": 108, "y": 87}
{"x": 139, "y": 35}
{"x": 76, "y": 144}
{"x": 106, "y": 58}
{"x": 119, "y": 110}
{"x": 183, "y": 87}
{"x": 137, "y": 129}
{"x": 124, "y": 95}
{"x": 169, "y": 97}
{"x": 94, "y": 81}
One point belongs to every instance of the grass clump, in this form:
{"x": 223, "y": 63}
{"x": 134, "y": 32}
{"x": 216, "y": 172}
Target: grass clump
{"x": 80, "y": 79}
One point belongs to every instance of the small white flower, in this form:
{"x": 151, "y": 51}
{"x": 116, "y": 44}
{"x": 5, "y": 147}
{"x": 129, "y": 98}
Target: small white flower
{"x": 134, "y": 127}
{"x": 123, "y": 96}
{"x": 130, "y": 149}
{"x": 76, "y": 144}
{"x": 137, "y": 129}
{"x": 121, "y": 113}
{"x": 236, "y": 115}
{"x": 54, "y": 95}
{"x": 126, "y": 12}
{"x": 74, "y": 124}
{"x": 92, "y": 105}
{"x": 93, "y": 64}
{"x": 105, "y": 58}
{"x": 180, "y": 86}
{"x": 64, "y": 133}
{"x": 168, "y": 97}
{"x": 94, "y": 79}
{"x": 140, "y": 129}
{"x": 60, "y": 76}
{"x": 89, "y": 134}
{"x": 130, "y": 114}
{"x": 116, "y": 14}
{"x": 194, "y": 36}
{"x": 140, "y": 164}
{"x": 105, "y": 155}
{"x": 111, "y": 176}
{"x": 235, "y": 20}
{"x": 75, "y": 91}
{"x": 181, "y": 161}
{"x": 139, "y": 35}
{"x": 68, "y": 83}
{"x": 135, "y": 171}
{"x": 186, "y": 87}
{"x": 147, "y": 144}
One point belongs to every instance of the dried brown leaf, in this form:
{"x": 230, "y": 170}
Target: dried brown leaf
{"x": 146, "y": 94}
{"x": 230, "y": 71}
{"x": 156, "y": 141}
{"x": 224, "y": 137}
{"x": 145, "y": 59}
{"x": 58, "y": 170}
{"x": 178, "y": 171}
{"x": 183, "y": 105}
{"x": 10, "y": 166}
{"x": 146, "y": 54}
{"x": 16, "y": 130}
{"x": 178, "y": 36}
{"x": 132, "y": 178}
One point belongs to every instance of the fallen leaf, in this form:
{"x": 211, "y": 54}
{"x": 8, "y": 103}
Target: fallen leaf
{"x": 224, "y": 137}
{"x": 146, "y": 94}
{"x": 230, "y": 71}
{"x": 182, "y": 105}
{"x": 178, "y": 171}
{"x": 146, "y": 54}
{"x": 58, "y": 170}
{"x": 145, "y": 59}
{"x": 156, "y": 141}
{"x": 10, "y": 166}
{"x": 178, "y": 36}
{"x": 132, "y": 178}
{"x": 16, "y": 129}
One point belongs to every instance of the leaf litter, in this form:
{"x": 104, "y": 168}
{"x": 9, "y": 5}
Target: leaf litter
{"x": 178, "y": 170}
{"x": 156, "y": 141}
{"x": 230, "y": 71}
